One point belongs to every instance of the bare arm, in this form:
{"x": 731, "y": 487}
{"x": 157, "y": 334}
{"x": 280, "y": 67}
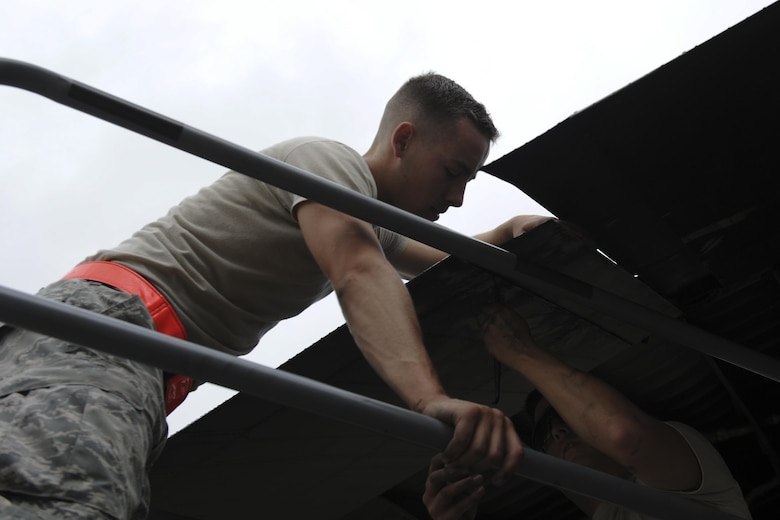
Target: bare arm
{"x": 418, "y": 256}
{"x": 514, "y": 227}
{"x": 381, "y": 317}
{"x": 599, "y": 414}
{"x": 368, "y": 288}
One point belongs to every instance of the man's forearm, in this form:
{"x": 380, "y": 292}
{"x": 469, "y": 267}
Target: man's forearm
{"x": 381, "y": 317}
{"x": 589, "y": 405}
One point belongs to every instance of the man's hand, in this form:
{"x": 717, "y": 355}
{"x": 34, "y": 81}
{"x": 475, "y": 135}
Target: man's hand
{"x": 521, "y": 224}
{"x": 512, "y": 228}
{"x": 450, "y": 493}
{"x": 484, "y": 438}
{"x": 506, "y": 334}
{"x": 418, "y": 256}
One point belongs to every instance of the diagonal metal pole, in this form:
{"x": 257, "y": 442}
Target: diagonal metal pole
{"x": 174, "y": 355}
{"x": 537, "y": 279}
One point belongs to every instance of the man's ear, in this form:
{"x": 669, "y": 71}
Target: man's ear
{"x": 402, "y": 136}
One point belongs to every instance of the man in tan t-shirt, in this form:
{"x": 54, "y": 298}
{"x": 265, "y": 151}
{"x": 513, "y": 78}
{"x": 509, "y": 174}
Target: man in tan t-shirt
{"x": 222, "y": 268}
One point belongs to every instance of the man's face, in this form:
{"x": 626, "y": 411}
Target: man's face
{"x": 435, "y": 171}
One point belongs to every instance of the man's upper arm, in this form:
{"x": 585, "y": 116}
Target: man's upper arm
{"x": 669, "y": 462}
{"x": 330, "y": 234}
{"x": 336, "y": 240}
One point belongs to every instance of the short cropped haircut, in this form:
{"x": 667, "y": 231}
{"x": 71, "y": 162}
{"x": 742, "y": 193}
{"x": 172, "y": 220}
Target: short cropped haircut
{"x": 434, "y": 98}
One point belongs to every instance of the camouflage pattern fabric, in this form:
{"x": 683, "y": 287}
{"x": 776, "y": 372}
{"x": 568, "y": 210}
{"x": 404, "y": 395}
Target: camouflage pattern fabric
{"x": 78, "y": 428}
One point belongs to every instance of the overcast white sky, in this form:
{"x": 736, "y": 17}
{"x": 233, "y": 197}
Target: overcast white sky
{"x": 258, "y": 72}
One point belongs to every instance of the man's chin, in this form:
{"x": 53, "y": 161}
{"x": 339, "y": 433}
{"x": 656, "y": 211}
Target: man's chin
{"x": 434, "y": 215}
{"x": 430, "y": 215}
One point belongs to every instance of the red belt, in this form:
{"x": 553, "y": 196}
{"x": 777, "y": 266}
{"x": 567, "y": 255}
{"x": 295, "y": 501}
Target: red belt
{"x": 165, "y": 319}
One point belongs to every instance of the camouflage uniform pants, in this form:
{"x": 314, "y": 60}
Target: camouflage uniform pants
{"x": 79, "y": 429}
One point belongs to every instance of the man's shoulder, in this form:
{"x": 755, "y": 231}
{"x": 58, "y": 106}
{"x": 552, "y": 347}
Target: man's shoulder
{"x": 327, "y": 158}
{"x": 308, "y": 145}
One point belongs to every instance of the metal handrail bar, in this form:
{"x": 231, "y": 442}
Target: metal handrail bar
{"x": 174, "y": 355}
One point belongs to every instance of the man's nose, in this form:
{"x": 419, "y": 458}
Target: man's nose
{"x": 456, "y": 195}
